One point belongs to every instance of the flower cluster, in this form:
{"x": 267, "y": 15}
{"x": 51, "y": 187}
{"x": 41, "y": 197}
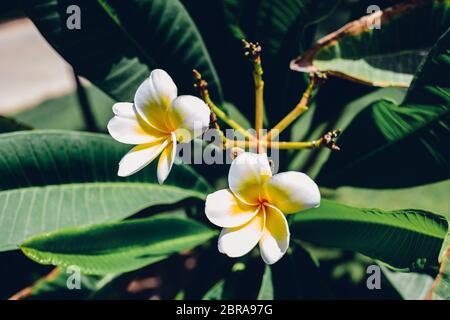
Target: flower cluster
{"x": 156, "y": 122}
{"x": 253, "y": 210}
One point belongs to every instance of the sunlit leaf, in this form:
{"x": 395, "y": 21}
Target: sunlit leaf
{"x": 55, "y": 179}
{"x": 405, "y": 239}
{"x": 390, "y": 145}
{"x": 382, "y": 49}
{"x": 117, "y": 247}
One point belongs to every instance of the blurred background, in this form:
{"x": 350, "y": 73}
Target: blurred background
{"x": 35, "y": 80}
{"x": 31, "y": 71}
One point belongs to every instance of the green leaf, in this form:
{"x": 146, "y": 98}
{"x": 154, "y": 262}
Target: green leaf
{"x": 274, "y": 23}
{"x": 216, "y": 292}
{"x": 404, "y": 239}
{"x": 441, "y": 286}
{"x": 55, "y": 179}
{"x": 277, "y": 20}
{"x": 383, "y": 56}
{"x": 411, "y": 286}
{"x": 243, "y": 282}
{"x": 390, "y": 145}
{"x": 311, "y": 161}
{"x": 430, "y": 197}
{"x": 121, "y": 41}
{"x": 234, "y": 11}
{"x": 266, "y": 292}
{"x": 117, "y": 247}
{"x": 284, "y": 29}
{"x": 234, "y": 113}
{"x": 10, "y": 125}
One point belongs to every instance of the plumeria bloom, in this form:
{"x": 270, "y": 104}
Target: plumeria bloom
{"x": 253, "y": 209}
{"x": 156, "y": 122}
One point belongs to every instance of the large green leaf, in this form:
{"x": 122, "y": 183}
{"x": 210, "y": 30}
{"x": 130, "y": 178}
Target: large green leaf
{"x": 324, "y": 118}
{"x": 121, "y": 41}
{"x": 390, "y": 145}
{"x": 430, "y": 197}
{"x": 404, "y": 239}
{"x": 383, "y": 55}
{"x": 55, "y": 179}
{"x": 117, "y": 247}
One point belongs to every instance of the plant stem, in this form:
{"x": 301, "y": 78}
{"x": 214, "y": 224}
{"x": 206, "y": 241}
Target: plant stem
{"x": 275, "y": 144}
{"x": 242, "y": 144}
{"x": 26, "y": 292}
{"x": 299, "y": 109}
{"x": 233, "y": 124}
{"x": 202, "y": 86}
{"x": 253, "y": 52}
{"x": 259, "y": 97}
{"x": 295, "y": 145}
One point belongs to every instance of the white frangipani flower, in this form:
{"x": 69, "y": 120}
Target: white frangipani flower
{"x": 253, "y": 209}
{"x": 156, "y": 122}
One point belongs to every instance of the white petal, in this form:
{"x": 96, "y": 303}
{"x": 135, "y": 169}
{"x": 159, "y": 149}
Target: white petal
{"x": 154, "y": 98}
{"x": 139, "y": 157}
{"x": 236, "y": 242}
{"x": 190, "y": 116}
{"x": 124, "y": 110}
{"x": 247, "y": 176}
{"x": 167, "y": 159}
{"x": 275, "y": 239}
{"x": 292, "y": 192}
{"x": 127, "y": 130}
{"x": 225, "y": 210}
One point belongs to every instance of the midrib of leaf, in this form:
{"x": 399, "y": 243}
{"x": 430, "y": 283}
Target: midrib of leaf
{"x": 423, "y": 50}
{"x": 131, "y": 248}
{"x": 91, "y": 185}
{"x": 372, "y": 220}
{"x": 162, "y": 245}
